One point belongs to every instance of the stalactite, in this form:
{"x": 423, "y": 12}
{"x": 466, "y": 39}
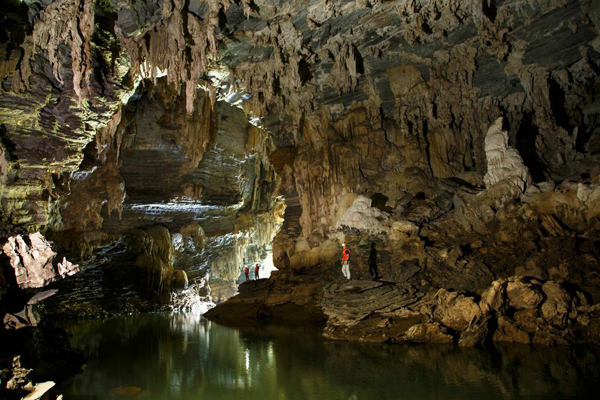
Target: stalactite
{"x": 166, "y": 47}
{"x": 64, "y": 22}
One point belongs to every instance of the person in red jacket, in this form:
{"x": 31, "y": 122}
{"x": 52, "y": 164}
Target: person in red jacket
{"x": 256, "y": 272}
{"x": 346, "y": 261}
{"x": 247, "y": 272}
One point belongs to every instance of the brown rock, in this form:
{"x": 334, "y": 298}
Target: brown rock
{"x": 522, "y": 294}
{"x": 476, "y": 333}
{"x": 556, "y": 306}
{"x": 507, "y": 331}
{"x": 494, "y": 297}
{"x": 428, "y": 333}
{"x": 179, "y": 280}
{"x": 32, "y": 258}
{"x": 455, "y": 310}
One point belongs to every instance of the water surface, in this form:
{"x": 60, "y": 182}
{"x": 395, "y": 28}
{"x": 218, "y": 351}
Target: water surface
{"x": 182, "y": 356}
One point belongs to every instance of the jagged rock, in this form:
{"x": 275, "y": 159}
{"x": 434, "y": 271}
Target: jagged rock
{"x": 555, "y": 308}
{"x": 428, "y": 333}
{"x": 14, "y": 322}
{"x": 32, "y": 261}
{"x": 494, "y": 298}
{"x": 28, "y": 316}
{"x": 67, "y": 268}
{"x": 523, "y": 295}
{"x": 476, "y": 333}
{"x": 20, "y": 375}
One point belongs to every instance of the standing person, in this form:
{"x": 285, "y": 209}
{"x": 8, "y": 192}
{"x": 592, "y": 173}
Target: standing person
{"x": 373, "y": 262}
{"x": 247, "y": 272}
{"x": 346, "y": 261}
{"x": 256, "y": 272}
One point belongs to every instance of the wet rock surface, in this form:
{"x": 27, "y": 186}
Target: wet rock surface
{"x": 390, "y": 312}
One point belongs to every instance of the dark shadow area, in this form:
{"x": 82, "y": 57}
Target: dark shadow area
{"x": 525, "y": 144}
{"x": 379, "y": 200}
{"x": 557, "y": 103}
{"x": 304, "y": 71}
{"x": 490, "y": 10}
{"x": 426, "y": 28}
{"x": 360, "y": 62}
{"x": 8, "y": 144}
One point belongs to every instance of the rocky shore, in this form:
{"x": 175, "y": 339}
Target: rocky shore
{"x": 516, "y": 310}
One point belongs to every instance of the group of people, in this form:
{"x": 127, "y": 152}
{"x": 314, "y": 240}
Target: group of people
{"x": 247, "y": 272}
{"x": 372, "y": 262}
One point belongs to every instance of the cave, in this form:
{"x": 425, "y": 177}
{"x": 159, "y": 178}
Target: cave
{"x": 310, "y": 199}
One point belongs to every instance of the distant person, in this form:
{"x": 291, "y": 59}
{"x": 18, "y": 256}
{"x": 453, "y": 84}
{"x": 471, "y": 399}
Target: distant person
{"x": 256, "y": 272}
{"x": 247, "y": 272}
{"x": 346, "y": 261}
{"x": 373, "y": 262}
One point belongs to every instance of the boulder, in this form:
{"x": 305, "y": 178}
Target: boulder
{"x": 428, "y": 333}
{"x": 523, "y": 295}
{"x": 456, "y": 311}
{"x": 31, "y": 259}
{"x": 556, "y": 307}
{"x": 406, "y": 227}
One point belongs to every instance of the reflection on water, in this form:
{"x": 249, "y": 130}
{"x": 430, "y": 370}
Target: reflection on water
{"x": 182, "y": 356}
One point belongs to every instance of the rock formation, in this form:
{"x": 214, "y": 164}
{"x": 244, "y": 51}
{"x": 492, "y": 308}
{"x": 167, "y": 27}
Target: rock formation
{"x": 32, "y": 261}
{"x": 157, "y": 141}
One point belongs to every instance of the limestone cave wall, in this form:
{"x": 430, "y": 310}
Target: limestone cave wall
{"x": 459, "y": 136}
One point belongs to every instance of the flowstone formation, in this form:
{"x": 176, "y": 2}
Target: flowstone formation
{"x": 161, "y": 144}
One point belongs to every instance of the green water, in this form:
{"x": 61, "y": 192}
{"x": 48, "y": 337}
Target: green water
{"x": 179, "y": 356}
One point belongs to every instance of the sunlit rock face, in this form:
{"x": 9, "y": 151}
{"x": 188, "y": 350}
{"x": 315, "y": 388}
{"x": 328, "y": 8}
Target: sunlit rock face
{"x": 32, "y": 259}
{"x": 458, "y": 136}
{"x": 195, "y": 195}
